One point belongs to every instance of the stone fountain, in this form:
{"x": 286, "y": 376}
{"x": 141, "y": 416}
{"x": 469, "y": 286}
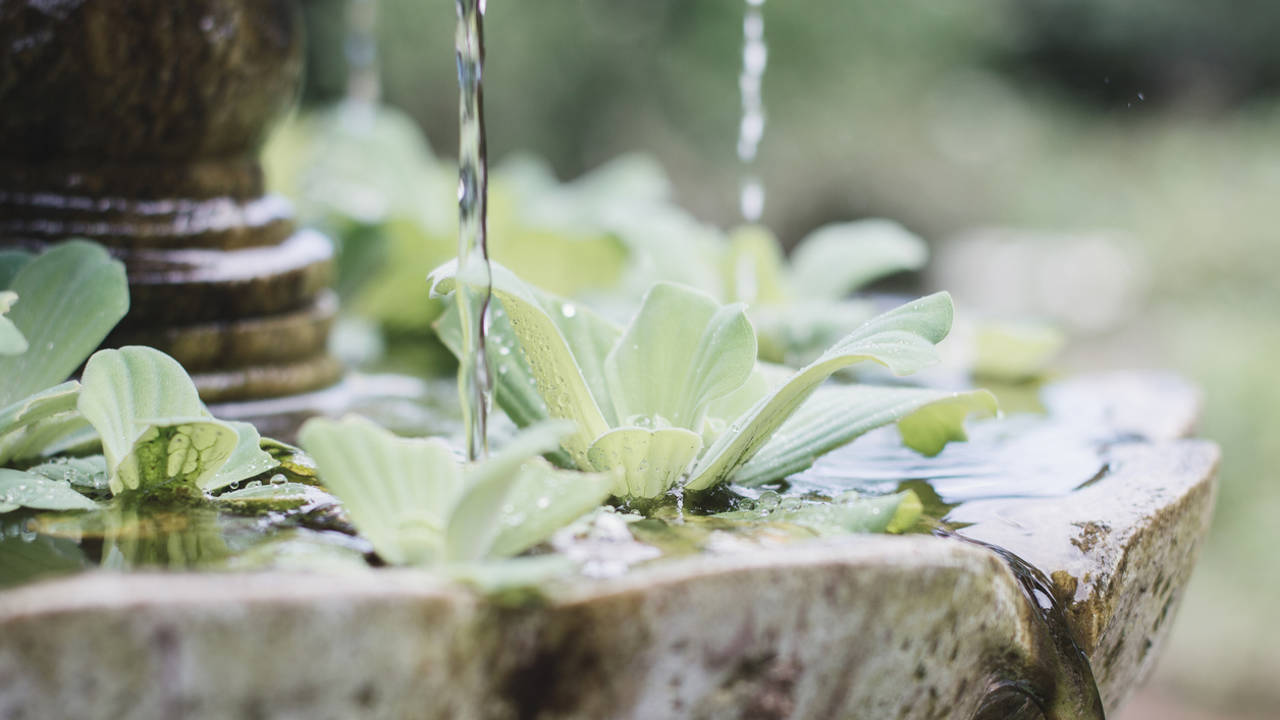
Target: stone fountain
{"x": 136, "y": 125}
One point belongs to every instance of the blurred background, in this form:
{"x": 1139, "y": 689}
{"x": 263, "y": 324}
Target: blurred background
{"x": 1114, "y": 166}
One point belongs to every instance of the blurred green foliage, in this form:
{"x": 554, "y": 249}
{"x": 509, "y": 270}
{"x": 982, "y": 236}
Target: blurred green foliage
{"x": 948, "y": 116}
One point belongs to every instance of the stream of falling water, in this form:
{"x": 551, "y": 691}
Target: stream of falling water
{"x": 473, "y": 275}
{"x": 755, "y": 56}
{"x": 361, "y": 50}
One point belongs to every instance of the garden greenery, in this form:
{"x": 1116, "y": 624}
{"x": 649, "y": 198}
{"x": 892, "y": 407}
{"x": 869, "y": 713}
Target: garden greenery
{"x": 677, "y": 399}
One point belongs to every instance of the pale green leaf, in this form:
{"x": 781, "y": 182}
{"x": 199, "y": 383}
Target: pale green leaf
{"x": 11, "y": 261}
{"x": 835, "y": 415}
{"x": 153, "y": 426}
{"x": 651, "y": 461}
{"x": 397, "y": 491}
{"x": 543, "y": 500}
{"x": 31, "y": 490}
{"x": 754, "y": 267}
{"x": 271, "y": 494}
{"x": 902, "y": 340}
{"x": 89, "y": 473}
{"x": 72, "y": 295}
{"x": 11, "y": 340}
{"x": 475, "y": 521}
{"x": 837, "y": 259}
{"x": 246, "y": 461}
{"x": 681, "y": 351}
{"x": 1015, "y": 351}
{"x": 28, "y": 427}
{"x": 565, "y": 348}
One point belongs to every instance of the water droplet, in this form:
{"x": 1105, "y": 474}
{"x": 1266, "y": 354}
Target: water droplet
{"x": 568, "y": 310}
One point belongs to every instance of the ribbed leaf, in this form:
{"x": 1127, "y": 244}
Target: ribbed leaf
{"x": 25, "y": 489}
{"x": 543, "y": 500}
{"x": 650, "y": 461}
{"x": 26, "y": 424}
{"x": 837, "y": 259}
{"x": 835, "y": 415}
{"x": 397, "y": 491}
{"x": 70, "y": 298}
{"x": 901, "y": 340}
{"x": 154, "y": 428}
{"x": 247, "y": 460}
{"x": 565, "y": 348}
{"x": 475, "y": 521}
{"x": 681, "y": 351}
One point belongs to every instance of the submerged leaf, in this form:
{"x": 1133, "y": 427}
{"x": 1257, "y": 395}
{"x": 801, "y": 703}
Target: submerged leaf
{"x": 900, "y": 339}
{"x": 849, "y": 513}
{"x": 25, "y": 489}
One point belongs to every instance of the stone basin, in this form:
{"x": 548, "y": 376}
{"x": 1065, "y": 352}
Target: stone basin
{"x": 913, "y": 626}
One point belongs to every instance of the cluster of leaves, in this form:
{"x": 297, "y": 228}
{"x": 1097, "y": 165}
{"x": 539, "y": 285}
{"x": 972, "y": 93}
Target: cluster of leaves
{"x": 678, "y": 399}
{"x": 136, "y": 403}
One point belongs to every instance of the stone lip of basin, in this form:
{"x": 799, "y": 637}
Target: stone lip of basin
{"x": 865, "y": 626}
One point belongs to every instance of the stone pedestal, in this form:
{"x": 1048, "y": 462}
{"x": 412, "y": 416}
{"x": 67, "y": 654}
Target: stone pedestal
{"x": 137, "y": 124}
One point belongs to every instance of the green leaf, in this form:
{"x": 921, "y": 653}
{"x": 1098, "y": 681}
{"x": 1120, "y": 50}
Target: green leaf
{"x": 11, "y": 261}
{"x": 154, "y": 428}
{"x": 837, "y": 259}
{"x": 651, "y": 461}
{"x": 565, "y": 348}
{"x": 89, "y": 473}
{"x": 849, "y": 513}
{"x": 754, "y": 268}
{"x": 72, "y": 295}
{"x": 681, "y": 351}
{"x": 271, "y": 494}
{"x": 1015, "y": 351}
{"x": 40, "y": 423}
{"x": 412, "y": 501}
{"x": 397, "y": 491}
{"x": 474, "y": 522}
{"x": 901, "y": 340}
{"x": 835, "y": 415}
{"x": 27, "y": 489}
{"x": 11, "y": 340}
{"x": 246, "y": 461}
{"x": 543, "y": 500}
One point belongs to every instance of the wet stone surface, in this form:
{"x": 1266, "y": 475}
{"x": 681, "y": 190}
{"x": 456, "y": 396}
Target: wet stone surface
{"x": 913, "y": 626}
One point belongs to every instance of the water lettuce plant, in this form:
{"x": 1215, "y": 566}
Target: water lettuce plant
{"x": 418, "y": 504}
{"x": 156, "y": 432}
{"x": 677, "y": 398}
{"x": 55, "y": 309}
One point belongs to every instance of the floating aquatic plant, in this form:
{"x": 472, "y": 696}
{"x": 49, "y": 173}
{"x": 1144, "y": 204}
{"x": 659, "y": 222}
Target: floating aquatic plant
{"x": 418, "y": 504}
{"x": 154, "y": 429}
{"x": 677, "y": 398}
{"x": 61, "y": 304}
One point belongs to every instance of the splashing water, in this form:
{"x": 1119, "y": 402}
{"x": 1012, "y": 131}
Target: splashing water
{"x": 755, "y": 56}
{"x": 473, "y": 276}
{"x": 361, "y": 49}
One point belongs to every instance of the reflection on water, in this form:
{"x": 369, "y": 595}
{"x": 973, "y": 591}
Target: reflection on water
{"x": 210, "y": 536}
